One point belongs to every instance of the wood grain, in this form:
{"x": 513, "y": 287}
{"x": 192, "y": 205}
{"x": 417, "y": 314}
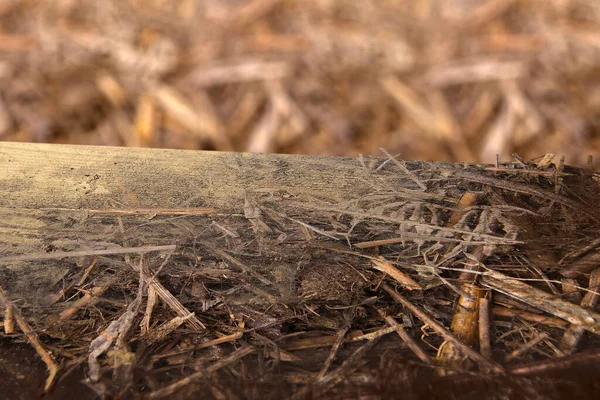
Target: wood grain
{"x": 64, "y": 176}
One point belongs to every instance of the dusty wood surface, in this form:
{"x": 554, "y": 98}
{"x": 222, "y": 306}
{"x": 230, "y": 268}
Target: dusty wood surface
{"x": 288, "y": 269}
{"x": 44, "y": 188}
{"x": 46, "y": 176}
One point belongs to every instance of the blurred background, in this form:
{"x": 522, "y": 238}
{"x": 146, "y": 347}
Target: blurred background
{"x": 458, "y": 80}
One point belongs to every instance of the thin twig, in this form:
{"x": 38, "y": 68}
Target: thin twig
{"x": 150, "y": 303}
{"x": 80, "y": 253}
{"x": 524, "y": 189}
{"x": 90, "y": 298}
{"x": 401, "y": 165}
{"x": 168, "y": 298}
{"x": 402, "y": 278}
{"x": 312, "y": 228}
{"x": 9, "y": 320}
{"x": 115, "y": 330}
{"x": 414, "y": 346}
{"x": 527, "y": 346}
{"x": 469, "y": 352}
{"x": 228, "y": 258}
{"x": 590, "y": 358}
{"x": 33, "y": 340}
{"x": 172, "y": 388}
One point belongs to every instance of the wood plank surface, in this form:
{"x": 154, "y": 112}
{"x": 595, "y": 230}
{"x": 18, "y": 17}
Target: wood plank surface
{"x": 66, "y": 176}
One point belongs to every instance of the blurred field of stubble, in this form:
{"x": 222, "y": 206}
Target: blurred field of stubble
{"x": 429, "y": 79}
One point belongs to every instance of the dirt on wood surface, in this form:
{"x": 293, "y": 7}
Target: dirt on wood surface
{"x": 466, "y": 281}
{"x": 430, "y": 79}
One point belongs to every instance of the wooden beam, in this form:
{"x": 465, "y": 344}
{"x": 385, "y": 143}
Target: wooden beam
{"x": 57, "y": 198}
{"x": 66, "y": 176}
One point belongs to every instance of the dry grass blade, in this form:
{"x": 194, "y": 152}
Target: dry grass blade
{"x": 541, "y": 319}
{"x": 485, "y": 344}
{"x": 574, "y": 333}
{"x": 253, "y": 10}
{"x": 145, "y": 121}
{"x": 5, "y": 120}
{"x": 224, "y": 339}
{"x": 90, "y": 298}
{"x": 570, "y": 290}
{"x": 372, "y": 335}
{"x": 579, "y": 252}
{"x": 524, "y": 189}
{"x": 310, "y": 343}
{"x": 405, "y": 170}
{"x": 467, "y": 200}
{"x": 150, "y": 303}
{"x": 264, "y": 136}
{"x": 170, "y": 300}
{"x": 115, "y": 331}
{"x": 9, "y": 320}
{"x": 498, "y": 138}
{"x": 239, "y": 264}
{"x": 527, "y": 346}
{"x": 207, "y": 344}
{"x": 572, "y": 313}
{"x": 406, "y": 281}
{"x": 411, "y": 102}
{"x": 290, "y": 112}
{"x": 312, "y": 228}
{"x": 152, "y": 211}
{"x": 489, "y": 10}
{"x": 406, "y": 337}
{"x": 112, "y": 89}
{"x": 164, "y": 330}
{"x": 57, "y": 255}
{"x": 53, "y": 298}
